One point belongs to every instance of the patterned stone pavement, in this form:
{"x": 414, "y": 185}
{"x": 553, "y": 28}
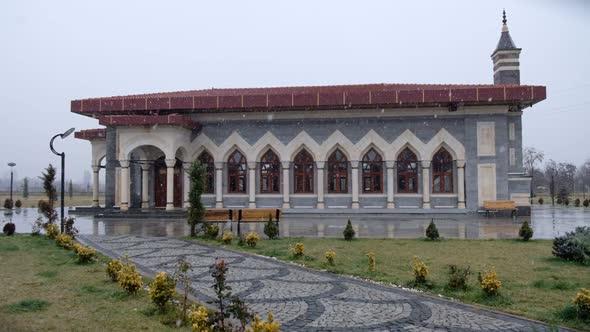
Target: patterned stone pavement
{"x": 307, "y": 300}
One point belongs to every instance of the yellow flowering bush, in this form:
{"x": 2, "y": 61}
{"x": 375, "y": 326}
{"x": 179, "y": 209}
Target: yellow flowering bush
{"x": 64, "y": 241}
{"x": 51, "y": 231}
{"x": 582, "y": 301}
{"x": 84, "y": 253}
{"x": 330, "y": 256}
{"x": 162, "y": 289}
{"x": 298, "y": 249}
{"x": 258, "y": 325}
{"x": 227, "y": 237}
{"x": 200, "y": 319}
{"x": 372, "y": 261}
{"x": 490, "y": 283}
{"x": 113, "y": 269}
{"x": 252, "y": 239}
{"x": 420, "y": 270}
{"x": 129, "y": 279}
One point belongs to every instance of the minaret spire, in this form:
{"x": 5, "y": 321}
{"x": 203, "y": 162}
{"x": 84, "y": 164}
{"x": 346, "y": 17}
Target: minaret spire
{"x": 506, "y": 57}
{"x": 504, "y": 16}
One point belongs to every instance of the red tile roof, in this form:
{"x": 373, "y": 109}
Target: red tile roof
{"x": 315, "y": 97}
{"x": 90, "y": 134}
{"x": 148, "y": 120}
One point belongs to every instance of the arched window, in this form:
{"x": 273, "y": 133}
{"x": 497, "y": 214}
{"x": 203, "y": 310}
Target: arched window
{"x": 442, "y": 172}
{"x": 270, "y": 173}
{"x": 236, "y": 173}
{"x": 337, "y": 172}
{"x": 303, "y": 168}
{"x": 372, "y": 172}
{"x": 206, "y": 159}
{"x": 407, "y": 172}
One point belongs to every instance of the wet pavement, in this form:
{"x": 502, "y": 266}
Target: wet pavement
{"x": 547, "y": 222}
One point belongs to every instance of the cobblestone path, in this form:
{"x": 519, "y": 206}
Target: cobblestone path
{"x": 306, "y": 300}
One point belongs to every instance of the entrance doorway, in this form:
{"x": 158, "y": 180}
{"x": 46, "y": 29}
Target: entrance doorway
{"x": 160, "y": 183}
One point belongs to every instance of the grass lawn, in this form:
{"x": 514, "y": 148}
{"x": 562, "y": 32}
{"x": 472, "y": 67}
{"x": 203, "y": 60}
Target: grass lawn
{"x": 78, "y": 199}
{"x": 44, "y": 289}
{"x": 534, "y": 283}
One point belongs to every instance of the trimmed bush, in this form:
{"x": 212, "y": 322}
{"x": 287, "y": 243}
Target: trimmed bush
{"x": 129, "y": 279}
{"x": 85, "y": 254}
{"x": 227, "y": 237}
{"x": 8, "y": 203}
{"x": 490, "y": 284}
{"x": 211, "y": 231}
{"x": 348, "y": 231}
{"x": 113, "y": 269}
{"x": 573, "y": 246}
{"x": 559, "y": 201}
{"x": 330, "y": 256}
{"x": 420, "y": 270}
{"x": 371, "y": 261}
{"x": 432, "y": 231}
{"x": 162, "y": 290}
{"x": 577, "y": 202}
{"x": 582, "y": 302}
{"x": 541, "y": 201}
{"x": 199, "y": 319}
{"x": 458, "y": 276}
{"x": 51, "y": 230}
{"x": 258, "y": 325}
{"x": 525, "y": 232}
{"x": 18, "y": 204}
{"x": 9, "y": 229}
{"x": 270, "y": 229}
{"x": 297, "y": 250}
{"x": 252, "y": 239}
{"x": 566, "y": 202}
{"x": 64, "y": 241}
{"x": 586, "y": 202}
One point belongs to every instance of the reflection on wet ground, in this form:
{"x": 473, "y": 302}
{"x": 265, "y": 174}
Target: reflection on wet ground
{"x": 547, "y": 223}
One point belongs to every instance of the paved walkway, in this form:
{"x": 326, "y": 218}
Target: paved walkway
{"x": 306, "y": 300}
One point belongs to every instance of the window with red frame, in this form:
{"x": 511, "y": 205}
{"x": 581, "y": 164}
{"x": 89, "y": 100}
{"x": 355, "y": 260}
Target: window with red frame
{"x": 337, "y": 172}
{"x": 442, "y": 172}
{"x": 270, "y": 173}
{"x": 407, "y": 172}
{"x": 236, "y": 173}
{"x": 303, "y": 172}
{"x": 372, "y": 172}
{"x": 206, "y": 160}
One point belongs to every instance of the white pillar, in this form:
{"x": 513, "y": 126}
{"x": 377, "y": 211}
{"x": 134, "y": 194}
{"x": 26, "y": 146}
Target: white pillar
{"x": 461, "y": 184}
{"x": 355, "y": 183}
{"x": 145, "y": 173}
{"x": 95, "y": 185}
{"x": 219, "y": 185}
{"x": 286, "y": 185}
{"x": 426, "y": 184}
{"x": 320, "y": 181}
{"x": 252, "y": 184}
{"x": 390, "y": 187}
{"x": 187, "y": 184}
{"x": 124, "y": 188}
{"x": 170, "y": 183}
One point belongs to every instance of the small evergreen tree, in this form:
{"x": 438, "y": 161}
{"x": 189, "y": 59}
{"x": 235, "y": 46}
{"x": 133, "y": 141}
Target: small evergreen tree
{"x": 525, "y": 232}
{"x": 270, "y": 229}
{"x": 586, "y": 202}
{"x": 577, "y": 202}
{"x": 71, "y": 189}
{"x": 48, "y": 206}
{"x": 196, "y": 210}
{"x": 432, "y": 231}
{"x": 348, "y": 231}
{"x": 26, "y": 187}
{"x": 541, "y": 201}
{"x": 8, "y": 204}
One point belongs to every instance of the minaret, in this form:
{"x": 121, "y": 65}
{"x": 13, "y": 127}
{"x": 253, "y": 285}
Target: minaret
{"x": 506, "y": 58}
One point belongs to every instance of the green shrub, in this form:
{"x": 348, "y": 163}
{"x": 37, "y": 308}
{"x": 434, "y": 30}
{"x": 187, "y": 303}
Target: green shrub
{"x": 371, "y": 261}
{"x": 566, "y": 202}
{"x": 573, "y": 246}
{"x": 270, "y": 229}
{"x": 559, "y": 201}
{"x": 8, "y": 203}
{"x": 85, "y": 254}
{"x": 51, "y": 230}
{"x": 18, "y": 204}
{"x": 586, "y": 202}
{"x": 227, "y": 237}
{"x": 541, "y": 201}
{"x": 297, "y": 250}
{"x": 9, "y": 229}
{"x": 113, "y": 269}
{"x": 458, "y": 276}
{"x": 252, "y": 239}
{"x": 432, "y": 231}
{"x": 420, "y": 270}
{"x": 162, "y": 290}
{"x": 349, "y": 231}
{"x": 525, "y": 232}
{"x": 64, "y": 241}
{"x": 129, "y": 279}
{"x": 577, "y": 202}
{"x": 211, "y": 231}
{"x": 490, "y": 284}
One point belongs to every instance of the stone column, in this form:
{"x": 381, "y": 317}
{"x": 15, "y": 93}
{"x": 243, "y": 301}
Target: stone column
{"x": 390, "y": 186}
{"x": 124, "y": 187}
{"x": 355, "y": 183}
{"x": 170, "y": 183}
{"x": 286, "y": 185}
{"x": 252, "y": 184}
{"x": 461, "y": 184}
{"x": 145, "y": 173}
{"x": 95, "y": 185}
{"x": 186, "y": 186}
{"x": 426, "y": 184}
{"x": 219, "y": 185}
{"x": 320, "y": 182}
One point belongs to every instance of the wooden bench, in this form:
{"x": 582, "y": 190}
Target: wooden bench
{"x": 502, "y": 205}
{"x": 218, "y": 215}
{"x": 258, "y": 215}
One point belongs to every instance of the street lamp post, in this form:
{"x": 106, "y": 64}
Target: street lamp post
{"x": 11, "y": 177}
{"x": 63, "y": 171}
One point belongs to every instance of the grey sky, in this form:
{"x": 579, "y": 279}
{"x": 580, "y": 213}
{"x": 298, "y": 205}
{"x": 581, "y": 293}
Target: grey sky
{"x": 56, "y": 51}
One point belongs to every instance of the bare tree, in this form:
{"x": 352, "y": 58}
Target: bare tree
{"x": 532, "y": 156}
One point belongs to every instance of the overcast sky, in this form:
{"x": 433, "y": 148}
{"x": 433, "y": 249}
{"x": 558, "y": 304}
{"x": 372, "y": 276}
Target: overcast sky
{"x": 56, "y": 51}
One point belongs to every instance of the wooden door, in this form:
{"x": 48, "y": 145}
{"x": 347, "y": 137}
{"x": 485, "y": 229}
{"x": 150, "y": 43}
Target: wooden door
{"x": 160, "y": 183}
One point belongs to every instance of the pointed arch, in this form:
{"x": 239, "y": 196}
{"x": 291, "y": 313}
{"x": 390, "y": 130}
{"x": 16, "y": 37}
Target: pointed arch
{"x": 270, "y": 172}
{"x": 406, "y": 139}
{"x": 236, "y": 172}
{"x": 444, "y": 139}
{"x": 303, "y": 140}
{"x": 303, "y": 172}
{"x": 372, "y": 171}
{"x": 407, "y": 171}
{"x": 442, "y": 172}
{"x": 337, "y": 141}
{"x": 206, "y": 159}
{"x": 337, "y": 172}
